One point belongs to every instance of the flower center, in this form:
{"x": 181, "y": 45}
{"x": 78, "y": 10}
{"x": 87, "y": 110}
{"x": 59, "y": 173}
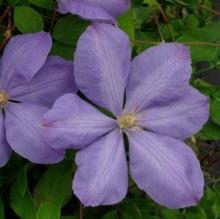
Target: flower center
{"x": 3, "y": 98}
{"x": 127, "y": 121}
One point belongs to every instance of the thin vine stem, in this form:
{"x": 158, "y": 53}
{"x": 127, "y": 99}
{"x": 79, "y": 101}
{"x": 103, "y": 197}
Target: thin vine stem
{"x": 8, "y": 32}
{"x": 166, "y": 19}
{"x": 52, "y": 21}
{"x": 5, "y": 13}
{"x": 81, "y": 211}
{"x": 199, "y": 43}
{"x": 158, "y": 28}
{"x": 217, "y": 13}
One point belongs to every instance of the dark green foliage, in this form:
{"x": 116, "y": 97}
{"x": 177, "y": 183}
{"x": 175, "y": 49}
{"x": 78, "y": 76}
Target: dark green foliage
{"x": 44, "y": 192}
{"x": 28, "y": 20}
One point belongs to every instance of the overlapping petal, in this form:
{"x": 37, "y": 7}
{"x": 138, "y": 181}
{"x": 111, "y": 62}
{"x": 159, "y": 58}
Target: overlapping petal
{"x": 158, "y": 76}
{"x": 102, "y": 65}
{"x": 23, "y": 133}
{"x": 166, "y": 169}
{"x": 53, "y": 80}
{"x": 23, "y": 56}
{"x": 94, "y": 9}
{"x": 73, "y": 123}
{"x": 5, "y": 149}
{"x": 101, "y": 177}
{"x": 180, "y": 119}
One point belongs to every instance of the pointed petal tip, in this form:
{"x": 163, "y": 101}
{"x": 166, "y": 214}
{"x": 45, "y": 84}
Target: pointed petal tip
{"x": 192, "y": 200}
{"x": 23, "y": 56}
{"x": 182, "y": 49}
{"x": 107, "y": 68}
{"x": 101, "y": 181}
{"x": 89, "y": 203}
{"x": 173, "y": 186}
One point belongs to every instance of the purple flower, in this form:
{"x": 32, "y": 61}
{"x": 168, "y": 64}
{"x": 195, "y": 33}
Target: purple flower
{"x": 105, "y": 10}
{"x": 161, "y": 111}
{"x": 29, "y": 84}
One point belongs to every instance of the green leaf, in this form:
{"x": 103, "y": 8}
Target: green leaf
{"x": 215, "y": 109}
{"x": 210, "y": 131}
{"x": 145, "y": 36}
{"x": 216, "y": 188}
{"x": 196, "y": 213}
{"x": 209, "y": 198}
{"x": 28, "y": 20}
{"x": 204, "y": 87}
{"x": 63, "y": 50}
{"x": 21, "y": 182}
{"x": 140, "y": 15}
{"x": 135, "y": 208}
{"x": 216, "y": 208}
{"x": 168, "y": 213}
{"x": 111, "y": 215}
{"x": 55, "y": 185}
{"x": 210, "y": 34}
{"x": 191, "y": 21}
{"x": 49, "y": 210}
{"x": 151, "y": 3}
{"x": 48, "y": 4}
{"x": 126, "y": 23}
{"x": 68, "y": 29}
{"x": 13, "y": 2}
{"x": 21, "y": 200}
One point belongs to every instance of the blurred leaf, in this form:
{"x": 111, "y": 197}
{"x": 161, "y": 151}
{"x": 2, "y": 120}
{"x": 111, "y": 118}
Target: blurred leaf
{"x": 195, "y": 213}
{"x": 48, "y": 4}
{"x": 211, "y": 34}
{"x": 49, "y": 210}
{"x": 210, "y": 131}
{"x": 140, "y": 15}
{"x": 151, "y": 3}
{"x": 141, "y": 41}
{"x": 135, "y": 208}
{"x": 63, "y": 50}
{"x": 21, "y": 200}
{"x": 27, "y": 20}
{"x": 111, "y": 215}
{"x": 216, "y": 188}
{"x": 215, "y": 108}
{"x": 55, "y": 185}
{"x": 168, "y": 214}
{"x": 216, "y": 208}
{"x": 209, "y": 198}
{"x": 68, "y": 29}
{"x": 126, "y": 23}
{"x": 206, "y": 88}
{"x": 13, "y": 2}
{"x": 191, "y": 21}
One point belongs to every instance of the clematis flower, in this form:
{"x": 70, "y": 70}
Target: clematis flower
{"x": 104, "y": 10}
{"x": 160, "y": 111}
{"x": 29, "y": 84}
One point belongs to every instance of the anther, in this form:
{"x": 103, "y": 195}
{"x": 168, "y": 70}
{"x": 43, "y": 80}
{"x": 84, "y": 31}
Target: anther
{"x": 3, "y": 98}
{"x": 127, "y": 121}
